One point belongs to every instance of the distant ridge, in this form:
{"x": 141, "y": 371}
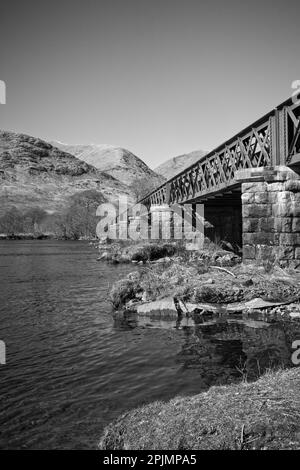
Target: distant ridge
{"x": 116, "y": 161}
{"x": 175, "y": 165}
{"x": 36, "y": 173}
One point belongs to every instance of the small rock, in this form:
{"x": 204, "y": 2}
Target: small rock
{"x": 134, "y": 276}
{"x": 163, "y": 308}
{"x": 163, "y": 260}
{"x": 103, "y": 256}
{"x": 295, "y": 314}
{"x": 124, "y": 259}
{"x": 103, "y": 241}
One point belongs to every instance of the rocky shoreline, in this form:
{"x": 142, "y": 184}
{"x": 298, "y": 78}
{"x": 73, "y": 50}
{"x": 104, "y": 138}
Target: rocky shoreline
{"x": 208, "y": 282}
{"x": 201, "y": 286}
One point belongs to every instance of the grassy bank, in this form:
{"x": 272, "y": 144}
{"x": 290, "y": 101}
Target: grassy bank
{"x": 259, "y": 415}
{"x": 200, "y": 278}
{"x": 138, "y": 252}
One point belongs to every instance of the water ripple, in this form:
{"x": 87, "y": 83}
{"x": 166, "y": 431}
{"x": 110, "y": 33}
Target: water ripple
{"x": 71, "y": 368}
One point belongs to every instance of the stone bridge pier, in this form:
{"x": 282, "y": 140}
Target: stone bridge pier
{"x": 261, "y": 214}
{"x": 271, "y": 215}
{"x": 175, "y": 222}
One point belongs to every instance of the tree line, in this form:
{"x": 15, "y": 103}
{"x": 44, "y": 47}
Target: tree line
{"x": 77, "y": 220}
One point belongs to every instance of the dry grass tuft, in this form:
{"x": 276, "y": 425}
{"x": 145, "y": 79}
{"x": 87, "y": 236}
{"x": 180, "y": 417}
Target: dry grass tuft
{"x": 259, "y": 415}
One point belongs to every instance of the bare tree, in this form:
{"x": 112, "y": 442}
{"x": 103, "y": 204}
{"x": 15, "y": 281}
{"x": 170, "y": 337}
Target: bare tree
{"x": 11, "y": 223}
{"x": 79, "y": 219}
{"x": 33, "y": 218}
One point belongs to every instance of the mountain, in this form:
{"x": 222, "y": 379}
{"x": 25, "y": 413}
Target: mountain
{"x": 116, "y": 161}
{"x": 35, "y": 173}
{"x": 175, "y": 165}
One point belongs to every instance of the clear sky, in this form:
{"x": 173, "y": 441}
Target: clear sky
{"x": 160, "y": 78}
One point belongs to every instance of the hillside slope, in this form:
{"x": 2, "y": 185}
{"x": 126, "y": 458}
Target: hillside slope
{"x": 35, "y": 173}
{"x": 175, "y": 165}
{"x": 116, "y": 161}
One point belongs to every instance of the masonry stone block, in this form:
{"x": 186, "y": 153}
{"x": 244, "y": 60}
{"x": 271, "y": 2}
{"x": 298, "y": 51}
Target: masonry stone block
{"x": 266, "y": 238}
{"x": 285, "y": 252}
{"x": 257, "y": 210}
{"x": 254, "y": 187}
{"x": 295, "y": 224}
{"x": 248, "y": 198}
{"x": 261, "y": 198}
{"x": 272, "y": 197}
{"x": 293, "y": 185}
{"x": 249, "y": 252}
{"x": 261, "y": 238}
{"x": 283, "y": 209}
{"x": 266, "y": 224}
{"x": 271, "y": 216}
{"x": 285, "y": 197}
{"x": 296, "y": 208}
{"x": 286, "y": 225}
{"x": 250, "y": 224}
{"x": 248, "y": 239}
{"x": 275, "y": 187}
{"x": 264, "y": 252}
{"x": 289, "y": 239}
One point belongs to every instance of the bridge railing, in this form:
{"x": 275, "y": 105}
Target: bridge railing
{"x": 272, "y": 140}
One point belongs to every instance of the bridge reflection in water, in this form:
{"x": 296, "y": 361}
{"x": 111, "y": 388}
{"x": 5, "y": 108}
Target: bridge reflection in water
{"x": 226, "y": 349}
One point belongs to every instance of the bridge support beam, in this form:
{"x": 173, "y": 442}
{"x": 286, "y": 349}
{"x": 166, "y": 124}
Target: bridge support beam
{"x": 160, "y": 222}
{"x": 177, "y": 223}
{"x": 271, "y": 215}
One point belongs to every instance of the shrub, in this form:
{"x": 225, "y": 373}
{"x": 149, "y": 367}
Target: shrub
{"x": 153, "y": 251}
{"x": 123, "y": 291}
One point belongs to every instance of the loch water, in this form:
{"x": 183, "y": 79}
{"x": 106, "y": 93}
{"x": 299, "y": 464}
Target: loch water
{"x": 72, "y": 366}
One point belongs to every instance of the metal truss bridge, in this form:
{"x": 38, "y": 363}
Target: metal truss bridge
{"x": 272, "y": 140}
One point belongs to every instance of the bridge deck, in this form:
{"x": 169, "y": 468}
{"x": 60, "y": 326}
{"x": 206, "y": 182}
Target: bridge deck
{"x": 272, "y": 140}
